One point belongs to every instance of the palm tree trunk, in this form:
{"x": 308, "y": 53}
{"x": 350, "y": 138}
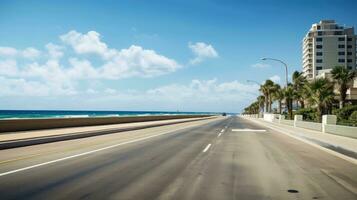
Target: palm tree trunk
{"x": 291, "y": 109}
{"x": 302, "y": 104}
{"x": 319, "y": 113}
{"x": 270, "y": 102}
{"x": 343, "y": 96}
{"x": 266, "y": 104}
{"x": 279, "y": 106}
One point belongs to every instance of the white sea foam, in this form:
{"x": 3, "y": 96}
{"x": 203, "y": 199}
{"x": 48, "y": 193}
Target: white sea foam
{"x": 71, "y": 116}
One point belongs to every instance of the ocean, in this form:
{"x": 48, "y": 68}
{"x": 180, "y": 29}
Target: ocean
{"x": 31, "y": 114}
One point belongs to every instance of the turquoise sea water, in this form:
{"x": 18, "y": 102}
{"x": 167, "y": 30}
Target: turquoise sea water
{"x": 22, "y": 114}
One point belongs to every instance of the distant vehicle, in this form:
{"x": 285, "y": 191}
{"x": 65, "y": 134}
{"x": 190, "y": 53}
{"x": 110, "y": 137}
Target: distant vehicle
{"x": 224, "y": 114}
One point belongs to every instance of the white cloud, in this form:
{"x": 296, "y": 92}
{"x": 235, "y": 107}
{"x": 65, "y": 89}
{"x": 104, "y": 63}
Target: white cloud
{"x": 124, "y": 63}
{"x": 136, "y": 61}
{"x": 22, "y": 87}
{"x": 58, "y": 74}
{"x": 54, "y": 51}
{"x": 206, "y": 90}
{"x": 202, "y": 51}
{"x": 31, "y": 53}
{"x": 110, "y": 91}
{"x": 87, "y": 43}
{"x": 81, "y": 69}
{"x": 275, "y": 78}
{"x": 200, "y": 95}
{"x": 8, "y": 67}
{"x": 7, "y": 51}
{"x": 91, "y": 91}
{"x": 196, "y": 95}
{"x": 260, "y": 65}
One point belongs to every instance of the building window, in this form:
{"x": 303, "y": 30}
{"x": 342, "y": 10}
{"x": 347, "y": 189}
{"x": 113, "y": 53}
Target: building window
{"x": 341, "y": 60}
{"x": 349, "y": 53}
{"x": 319, "y": 33}
{"x": 341, "y": 53}
{"x": 318, "y": 60}
{"x": 349, "y": 67}
{"x": 341, "y": 39}
{"x": 338, "y": 32}
{"x": 318, "y": 27}
{"x": 318, "y": 68}
{"x": 349, "y": 39}
{"x": 319, "y": 53}
{"x": 319, "y": 39}
{"x": 349, "y": 60}
{"x": 349, "y": 46}
{"x": 318, "y": 46}
{"x": 341, "y": 46}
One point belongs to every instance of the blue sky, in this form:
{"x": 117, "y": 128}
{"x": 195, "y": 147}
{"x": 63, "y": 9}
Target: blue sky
{"x": 151, "y": 55}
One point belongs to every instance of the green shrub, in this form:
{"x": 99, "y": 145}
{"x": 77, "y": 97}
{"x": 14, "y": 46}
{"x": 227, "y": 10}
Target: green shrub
{"x": 345, "y": 112}
{"x": 353, "y": 118}
{"x": 308, "y": 114}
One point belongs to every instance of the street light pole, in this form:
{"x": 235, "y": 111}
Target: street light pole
{"x": 260, "y": 110}
{"x": 286, "y": 68}
{"x": 251, "y": 81}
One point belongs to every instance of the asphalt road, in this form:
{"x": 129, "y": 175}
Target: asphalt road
{"x": 195, "y": 160}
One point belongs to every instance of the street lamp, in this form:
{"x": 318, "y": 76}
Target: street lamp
{"x": 251, "y": 81}
{"x": 286, "y": 67}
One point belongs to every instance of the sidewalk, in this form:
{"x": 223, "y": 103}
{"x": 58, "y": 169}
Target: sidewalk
{"x": 343, "y": 145}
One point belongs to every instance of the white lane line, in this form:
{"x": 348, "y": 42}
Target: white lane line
{"x": 81, "y": 154}
{"x": 219, "y": 134}
{"x": 207, "y": 147}
{"x": 222, "y": 131}
{"x": 248, "y": 130}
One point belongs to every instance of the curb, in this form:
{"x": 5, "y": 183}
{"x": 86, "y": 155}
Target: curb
{"x": 71, "y": 136}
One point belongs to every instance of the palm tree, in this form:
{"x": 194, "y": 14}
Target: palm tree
{"x": 261, "y": 101}
{"x": 299, "y": 81}
{"x": 321, "y": 94}
{"x": 278, "y": 95}
{"x": 343, "y": 77}
{"x": 272, "y": 89}
{"x": 266, "y": 89}
{"x": 252, "y": 108}
{"x": 289, "y": 94}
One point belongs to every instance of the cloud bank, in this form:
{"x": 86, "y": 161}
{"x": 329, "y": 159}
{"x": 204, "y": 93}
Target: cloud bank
{"x": 54, "y": 76}
{"x": 58, "y": 74}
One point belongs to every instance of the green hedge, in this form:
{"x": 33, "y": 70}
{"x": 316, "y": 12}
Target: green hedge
{"x": 308, "y": 114}
{"x": 346, "y": 115}
{"x": 345, "y": 112}
{"x": 353, "y": 118}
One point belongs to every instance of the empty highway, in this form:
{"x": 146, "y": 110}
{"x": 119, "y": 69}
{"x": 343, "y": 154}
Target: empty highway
{"x": 223, "y": 158}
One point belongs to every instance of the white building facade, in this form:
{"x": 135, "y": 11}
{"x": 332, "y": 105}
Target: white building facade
{"x": 327, "y": 45}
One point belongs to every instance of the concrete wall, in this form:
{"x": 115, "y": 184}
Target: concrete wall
{"x": 36, "y": 124}
{"x": 346, "y": 131}
{"x": 271, "y": 117}
{"x": 328, "y": 124}
{"x": 309, "y": 125}
{"x": 287, "y": 122}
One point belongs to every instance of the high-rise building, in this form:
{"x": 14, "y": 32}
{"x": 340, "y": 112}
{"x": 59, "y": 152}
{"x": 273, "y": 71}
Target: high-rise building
{"x": 327, "y": 45}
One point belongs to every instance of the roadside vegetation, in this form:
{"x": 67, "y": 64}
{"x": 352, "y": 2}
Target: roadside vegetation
{"x": 311, "y": 99}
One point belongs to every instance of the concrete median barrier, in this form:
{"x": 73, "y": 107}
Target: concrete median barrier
{"x": 12, "y": 125}
{"x": 77, "y": 135}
